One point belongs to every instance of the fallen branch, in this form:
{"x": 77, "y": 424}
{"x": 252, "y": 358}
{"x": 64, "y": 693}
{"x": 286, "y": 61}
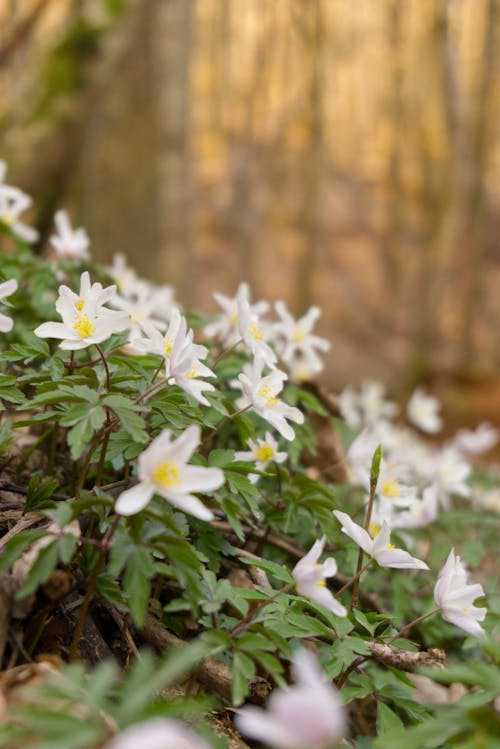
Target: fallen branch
{"x": 406, "y": 660}
{"x": 212, "y": 674}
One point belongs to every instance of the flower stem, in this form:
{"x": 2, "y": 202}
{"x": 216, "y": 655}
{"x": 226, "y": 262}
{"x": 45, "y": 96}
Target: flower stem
{"x": 220, "y": 425}
{"x": 374, "y": 474}
{"x": 247, "y": 621}
{"x": 226, "y": 351}
{"x": 354, "y": 579}
{"x": 106, "y": 366}
{"x": 412, "y": 624}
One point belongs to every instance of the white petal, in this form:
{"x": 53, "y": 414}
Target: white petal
{"x": 399, "y": 559}
{"x": 354, "y": 531}
{"x": 6, "y": 323}
{"x": 187, "y": 503}
{"x": 135, "y": 499}
{"x": 201, "y": 479}
{"x": 53, "y": 330}
{"x": 7, "y": 288}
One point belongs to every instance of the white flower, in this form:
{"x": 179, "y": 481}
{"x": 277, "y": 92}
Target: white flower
{"x": 85, "y": 319}
{"x": 14, "y": 202}
{"x": 163, "y": 471}
{"x": 308, "y": 715}
{"x": 252, "y": 333}
{"x": 68, "y": 242}
{"x": 262, "y": 452}
{"x": 379, "y": 547}
{"x": 182, "y": 356}
{"x": 6, "y": 289}
{"x": 455, "y": 598}
{"x": 262, "y": 393}
{"x": 157, "y": 733}
{"x": 225, "y": 328}
{"x": 479, "y": 440}
{"x": 420, "y": 512}
{"x": 368, "y": 407}
{"x": 298, "y": 346}
{"x": 140, "y": 310}
{"x": 310, "y": 578}
{"x": 123, "y": 275}
{"x": 449, "y": 471}
{"x": 423, "y": 412}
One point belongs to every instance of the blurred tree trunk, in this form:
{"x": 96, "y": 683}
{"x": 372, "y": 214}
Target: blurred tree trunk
{"x": 311, "y": 216}
{"x": 172, "y": 42}
{"x": 393, "y": 235}
{"x": 436, "y": 186}
{"x": 473, "y": 200}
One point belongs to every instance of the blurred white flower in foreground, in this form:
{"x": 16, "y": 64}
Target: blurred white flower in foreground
{"x": 455, "y": 598}
{"x": 479, "y": 440}
{"x": 225, "y": 327}
{"x": 310, "y": 578}
{"x": 163, "y": 470}
{"x": 263, "y": 452}
{"x": 85, "y": 319}
{"x": 183, "y": 363}
{"x": 68, "y": 242}
{"x": 379, "y": 547}
{"x": 423, "y": 412}
{"x": 296, "y": 343}
{"x": 262, "y": 393}
{"x": 6, "y": 289}
{"x": 14, "y": 202}
{"x": 157, "y": 733}
{"x": 308, "y": 715}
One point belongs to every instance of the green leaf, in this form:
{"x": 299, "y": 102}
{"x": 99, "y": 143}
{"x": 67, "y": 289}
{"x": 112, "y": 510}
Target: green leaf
{"x": 42, "y": 568}
{"x": 387, "y": 720}
{"x": 139, "y": 571}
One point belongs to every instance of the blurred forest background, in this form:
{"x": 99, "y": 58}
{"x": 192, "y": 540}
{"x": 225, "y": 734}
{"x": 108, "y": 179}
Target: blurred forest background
{"x": 331, "y": 152}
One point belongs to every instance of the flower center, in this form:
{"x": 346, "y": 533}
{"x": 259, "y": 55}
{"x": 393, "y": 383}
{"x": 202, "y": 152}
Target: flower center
{"x": 263, "y": 453}
{"x": 83, "y": 326}
{"x": 374, "y": 530}
{"x": 168, "y": 345}
{"x": 298, "y": 335}
{"x": 254, "y": 331}
{"x": 391, "y": 488}
{"x": 166, "y": 475}
{"x": 265, "y": 392}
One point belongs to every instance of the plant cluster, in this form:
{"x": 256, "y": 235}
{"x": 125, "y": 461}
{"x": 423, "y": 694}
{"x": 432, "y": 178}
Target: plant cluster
{"x": 181, "y": 495}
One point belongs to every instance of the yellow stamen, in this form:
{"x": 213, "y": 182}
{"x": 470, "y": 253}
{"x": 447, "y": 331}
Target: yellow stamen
{"x": 166, "y": 475}
{"x": 234, "y": 318}
{"x": 254, "y": 331}
{"x": 265, "y": 392}
{"x": 263, "y": 453}
{"x": 79, "y": 305}
{"x": 298, "y": 335}
{"x": 391, "y": 488}
{"x": 191, "y": 374}
{"x": 168, "y": 345}
{"x": 321, "y": 583}
{"x": 83, "y": 326}
{"x": 374, "y": 530}
{"x": 390, "y": 546}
